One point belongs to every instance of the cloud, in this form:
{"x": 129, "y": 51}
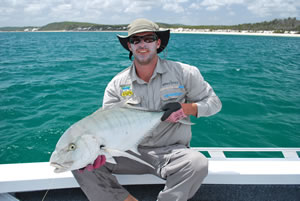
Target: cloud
{"x": 136, "y": 6}
{"x": 260, "y": 8}
{"x": 281, "y": 8}
{"x": 6, "y": 11}
{"x": 213, "y": 5}
{"x": 22, "y": 11}
{"x": 173, "y": 7}
{"x": 62, "y": 8}
{"x": 94, "y": 4}
{"x": 41, "y": 12}
{"x": 35, "y": 8}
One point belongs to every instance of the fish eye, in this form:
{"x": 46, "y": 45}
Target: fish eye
{"x": 72, "y": 147}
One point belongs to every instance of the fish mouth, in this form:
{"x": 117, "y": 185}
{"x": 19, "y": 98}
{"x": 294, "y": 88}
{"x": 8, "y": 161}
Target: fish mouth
{"x": 58, "y": 167}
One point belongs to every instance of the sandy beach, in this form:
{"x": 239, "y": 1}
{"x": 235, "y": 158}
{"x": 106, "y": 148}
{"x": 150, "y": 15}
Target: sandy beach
{"x": 233, "y": 32}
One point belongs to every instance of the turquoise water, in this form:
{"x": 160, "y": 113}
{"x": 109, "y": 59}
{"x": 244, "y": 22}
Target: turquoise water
{"x": 48, "y": 81}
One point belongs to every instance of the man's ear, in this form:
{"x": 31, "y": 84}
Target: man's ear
{"x": 158, "y": 43}
{"x": 129, "y": 46}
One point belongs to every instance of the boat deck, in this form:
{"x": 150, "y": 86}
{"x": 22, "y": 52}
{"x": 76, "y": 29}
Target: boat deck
{"x": 207, "y": 192}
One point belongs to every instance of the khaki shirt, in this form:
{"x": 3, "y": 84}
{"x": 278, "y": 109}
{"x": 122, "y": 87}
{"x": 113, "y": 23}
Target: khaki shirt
{"x": 170, "y": 82}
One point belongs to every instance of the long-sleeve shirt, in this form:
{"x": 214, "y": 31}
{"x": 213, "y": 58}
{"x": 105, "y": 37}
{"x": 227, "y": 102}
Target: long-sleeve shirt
{"x": 171, "y": 81}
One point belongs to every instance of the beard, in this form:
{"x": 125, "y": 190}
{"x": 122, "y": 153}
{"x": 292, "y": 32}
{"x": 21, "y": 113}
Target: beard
{"x": 145, "y": 54}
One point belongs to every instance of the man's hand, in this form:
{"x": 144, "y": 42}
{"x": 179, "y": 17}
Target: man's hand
{"x": 173, "y": 112}
{"x": 100, "y": 161}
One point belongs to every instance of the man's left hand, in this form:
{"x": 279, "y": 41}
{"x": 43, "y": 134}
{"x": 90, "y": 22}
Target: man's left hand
{"x": 100, "y": 161}
{"x": 173, "y": 112}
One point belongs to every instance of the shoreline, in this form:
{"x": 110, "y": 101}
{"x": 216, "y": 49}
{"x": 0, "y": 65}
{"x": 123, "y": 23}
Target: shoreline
{"x": 217, "y": 32}
{"x": 233, "y": 32}
{"x": 238, "y": 33}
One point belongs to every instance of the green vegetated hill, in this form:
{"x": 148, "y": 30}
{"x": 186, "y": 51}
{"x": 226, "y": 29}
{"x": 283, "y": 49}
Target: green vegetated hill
{"x": 65, "y": 26}
{"x": 277, "y": 25}
{"x": 289, "y": 24}
{"x": 16, "y": 28}
{"x": 80, "y": 26}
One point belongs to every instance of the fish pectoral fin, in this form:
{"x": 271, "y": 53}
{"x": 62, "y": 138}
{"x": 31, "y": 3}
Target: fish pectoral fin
{"x": 135, "y": 150}
{"x": 110, "y": 159}
{"x": 183, "y": 121}
{"x": 115, "y": 152}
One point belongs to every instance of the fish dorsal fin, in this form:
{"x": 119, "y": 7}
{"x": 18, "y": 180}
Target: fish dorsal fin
{"x": 126, "y": 103}
{"x": 130, "y": 103}
{"x": 129, "y": 106}
{"x": 115, "y": 105}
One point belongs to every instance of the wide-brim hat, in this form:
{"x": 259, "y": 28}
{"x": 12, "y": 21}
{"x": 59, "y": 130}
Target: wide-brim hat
{"x": 144, "y": 25}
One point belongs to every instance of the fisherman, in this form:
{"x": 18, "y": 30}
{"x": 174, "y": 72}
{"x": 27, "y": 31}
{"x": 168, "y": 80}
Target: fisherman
{"x": 156, "y": 84}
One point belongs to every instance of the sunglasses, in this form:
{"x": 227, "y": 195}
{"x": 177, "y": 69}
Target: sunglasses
{"x": 147, "y": 39}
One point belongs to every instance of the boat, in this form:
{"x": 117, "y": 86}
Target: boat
{"x": 230, "y": 177}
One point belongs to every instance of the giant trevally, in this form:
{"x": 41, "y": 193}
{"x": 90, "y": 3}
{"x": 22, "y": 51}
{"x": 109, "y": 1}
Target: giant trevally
{"x": 110, "y": 132}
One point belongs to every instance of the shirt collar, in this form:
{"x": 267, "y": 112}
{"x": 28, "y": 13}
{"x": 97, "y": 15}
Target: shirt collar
{"x": 159, "y": 69}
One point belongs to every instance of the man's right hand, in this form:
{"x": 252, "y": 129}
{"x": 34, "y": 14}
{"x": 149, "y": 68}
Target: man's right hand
{"x": 173, "y": 112}
{"x": 100, "y": 161}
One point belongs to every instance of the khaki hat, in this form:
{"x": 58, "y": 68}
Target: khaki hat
{"x": 144, "y": 25}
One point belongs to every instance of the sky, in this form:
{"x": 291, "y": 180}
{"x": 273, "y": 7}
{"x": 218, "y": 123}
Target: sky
{"x": 188, "y": 12}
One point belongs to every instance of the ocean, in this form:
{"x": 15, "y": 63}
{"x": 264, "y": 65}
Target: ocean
{"x": 48, "y": 81}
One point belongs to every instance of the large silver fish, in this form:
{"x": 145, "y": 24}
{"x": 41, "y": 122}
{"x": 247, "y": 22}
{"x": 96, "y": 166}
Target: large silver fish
{"x": 108, "y": 132}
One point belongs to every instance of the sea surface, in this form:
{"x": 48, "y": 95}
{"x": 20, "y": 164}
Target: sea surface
{"x": 48, "y": 81}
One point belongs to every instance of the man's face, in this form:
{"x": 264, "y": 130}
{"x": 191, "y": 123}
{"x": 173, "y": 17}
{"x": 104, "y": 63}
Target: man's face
{"x": 144, "y": 47}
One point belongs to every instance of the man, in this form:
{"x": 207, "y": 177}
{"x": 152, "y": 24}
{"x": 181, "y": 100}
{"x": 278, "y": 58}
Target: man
{"x": 156, "y": 84}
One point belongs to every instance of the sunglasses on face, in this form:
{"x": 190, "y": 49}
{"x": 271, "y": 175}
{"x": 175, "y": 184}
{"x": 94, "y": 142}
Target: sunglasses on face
{"x": 147, "y": 39}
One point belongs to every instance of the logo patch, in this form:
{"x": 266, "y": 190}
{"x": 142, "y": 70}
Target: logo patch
{"x": 171, "y": 92}
{"x": 126, "y": 91}
{"x": 170, "y": 95}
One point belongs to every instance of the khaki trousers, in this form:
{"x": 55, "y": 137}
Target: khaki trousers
{"x": 183, "y": 169}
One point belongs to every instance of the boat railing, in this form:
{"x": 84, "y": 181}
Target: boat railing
{"x": 223, "y": 169}
{"x": 219, "y": 152}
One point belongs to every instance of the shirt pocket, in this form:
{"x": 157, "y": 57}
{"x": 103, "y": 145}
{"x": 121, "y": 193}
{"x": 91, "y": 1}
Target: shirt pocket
{"x": 172, "y": 93}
